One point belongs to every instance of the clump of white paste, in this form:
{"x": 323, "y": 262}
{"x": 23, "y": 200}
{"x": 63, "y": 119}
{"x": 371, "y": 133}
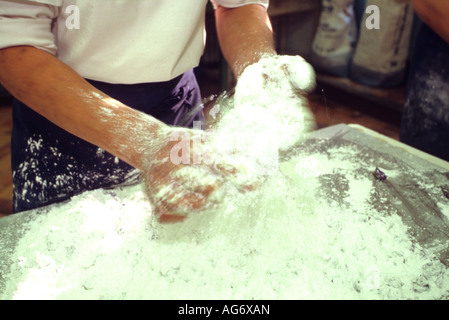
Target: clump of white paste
{"x": 268, "y": 113}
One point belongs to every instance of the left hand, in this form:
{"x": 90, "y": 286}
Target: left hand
{"x": 276, "y": 72}
{"x": 266, "y": 113}
{"x": 276, "y": 86}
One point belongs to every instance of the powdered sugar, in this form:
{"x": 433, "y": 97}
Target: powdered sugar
{"x": 298, "y": 236}
{"x": 267, "y": 114}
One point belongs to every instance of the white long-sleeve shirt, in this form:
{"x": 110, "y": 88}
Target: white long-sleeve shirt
{"x": 115, "y": 41}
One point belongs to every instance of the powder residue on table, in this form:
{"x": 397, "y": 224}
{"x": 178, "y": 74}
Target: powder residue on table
{"x": 303, "y": 235}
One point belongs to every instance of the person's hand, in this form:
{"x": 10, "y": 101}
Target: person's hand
{"x": 275, "y": 75}
{"x": 272, "y": 93}
{"x": 185, "y": 175}
{"x": 265, "y": 113}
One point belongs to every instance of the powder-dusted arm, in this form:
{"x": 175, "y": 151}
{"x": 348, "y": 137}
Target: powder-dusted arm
{"x": 244, "y": 32}
{"x": 58, "y": 93}
{"x": 30, "y": 71}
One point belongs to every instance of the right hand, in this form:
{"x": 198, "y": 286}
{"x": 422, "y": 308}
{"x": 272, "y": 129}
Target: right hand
{"x": 186, "y": 176}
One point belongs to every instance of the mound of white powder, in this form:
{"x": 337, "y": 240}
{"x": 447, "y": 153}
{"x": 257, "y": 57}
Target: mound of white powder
{"x": 297, "y": 237}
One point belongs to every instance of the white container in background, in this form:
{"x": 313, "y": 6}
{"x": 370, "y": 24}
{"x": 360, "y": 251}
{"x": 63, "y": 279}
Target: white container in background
{"x": 382, "y": 51}
{"x": 335, "y": 39}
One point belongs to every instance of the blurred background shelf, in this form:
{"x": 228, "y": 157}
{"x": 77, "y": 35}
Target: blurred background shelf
{"x": 383, "y": 103}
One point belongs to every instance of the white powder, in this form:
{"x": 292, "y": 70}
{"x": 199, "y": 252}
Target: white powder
{"x": 267, "y": 114}
{"x": 444, "y": 209}
{"x": 291, "y": 239}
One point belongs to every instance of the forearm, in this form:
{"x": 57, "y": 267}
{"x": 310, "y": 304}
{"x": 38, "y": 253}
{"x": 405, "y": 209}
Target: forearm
{"x": 245, "y": 35}
{"x": 434, "y": 13}
{"x": 58, "y": 93}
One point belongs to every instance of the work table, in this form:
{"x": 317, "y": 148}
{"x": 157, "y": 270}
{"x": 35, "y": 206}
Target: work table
{"x": 416, "y": 189}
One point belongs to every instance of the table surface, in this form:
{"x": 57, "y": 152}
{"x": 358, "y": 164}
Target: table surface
{"x": 417, "y": 206}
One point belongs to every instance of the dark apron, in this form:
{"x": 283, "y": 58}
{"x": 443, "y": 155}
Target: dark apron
{"x": 425, "y": 120}
{"x": 51, "y": 165}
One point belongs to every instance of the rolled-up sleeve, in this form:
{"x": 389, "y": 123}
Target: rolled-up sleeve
{"x": 28, "y": 22}
{"x": 238, "y": 3}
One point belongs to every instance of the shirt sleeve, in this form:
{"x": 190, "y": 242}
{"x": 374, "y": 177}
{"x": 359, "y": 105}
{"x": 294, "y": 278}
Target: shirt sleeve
{"x": 28, "y": 22}
{"x": 238, "y": 3}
